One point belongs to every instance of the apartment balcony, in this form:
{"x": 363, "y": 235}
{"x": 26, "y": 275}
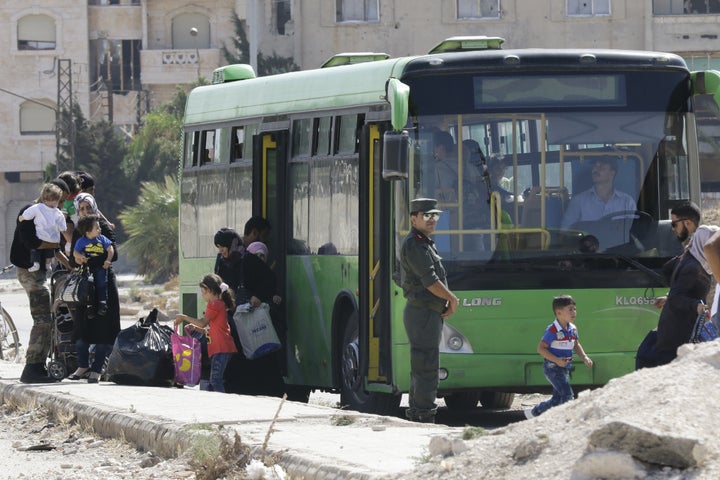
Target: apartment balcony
{"x": 171, "y": 67}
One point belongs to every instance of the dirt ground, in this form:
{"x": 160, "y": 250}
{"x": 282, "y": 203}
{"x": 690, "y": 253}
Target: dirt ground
{"x": 711, "y": 212}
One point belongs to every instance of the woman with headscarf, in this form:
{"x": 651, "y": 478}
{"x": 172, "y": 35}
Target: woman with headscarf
{"x": 253, "y": 282}
{"x": 228, "y": 263}
{"x": 263, "y": 285}
{"x": 248, "y": 275}
{"x": 91, "y": 328}
{"x": 689, "y": 278}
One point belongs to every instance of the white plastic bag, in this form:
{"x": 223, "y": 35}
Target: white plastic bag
{"x": 255, "y": 330}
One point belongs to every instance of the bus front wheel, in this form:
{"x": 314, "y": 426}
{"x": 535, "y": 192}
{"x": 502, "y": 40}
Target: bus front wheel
{"x": 462, "y": 400}
{"x": 352, "y": 390}
{"x": 497, "y": 400}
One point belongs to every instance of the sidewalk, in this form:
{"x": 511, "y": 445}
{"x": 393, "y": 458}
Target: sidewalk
{"x": 306, "y": 439}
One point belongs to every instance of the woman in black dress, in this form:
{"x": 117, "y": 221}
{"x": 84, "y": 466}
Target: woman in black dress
{"x": 91, "y": 328}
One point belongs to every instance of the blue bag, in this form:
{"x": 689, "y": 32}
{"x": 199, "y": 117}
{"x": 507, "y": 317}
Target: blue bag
{"x": 704, "y": 329}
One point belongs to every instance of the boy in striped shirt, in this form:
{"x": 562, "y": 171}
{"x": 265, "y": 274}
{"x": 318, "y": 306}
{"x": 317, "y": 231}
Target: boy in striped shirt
{"x": 556, "y": 347}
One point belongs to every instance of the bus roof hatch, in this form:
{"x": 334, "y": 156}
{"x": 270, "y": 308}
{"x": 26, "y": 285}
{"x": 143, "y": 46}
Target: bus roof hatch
{"x": 468, "y": 43}
{"x": 232, "y": 73}
{"x": 350, "y": 58}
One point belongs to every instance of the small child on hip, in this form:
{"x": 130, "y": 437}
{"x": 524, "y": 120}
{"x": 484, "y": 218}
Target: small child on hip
{"x": 556, "y": 347}
{"x": 97, "y": 251}
{"x": 49, "y": 223}
{"x": 220, "y": 343}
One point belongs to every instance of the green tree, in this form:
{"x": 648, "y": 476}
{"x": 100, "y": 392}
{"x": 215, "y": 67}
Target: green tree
{"x": 156, "y": 149}
{"x": 240, "y": 53}
{"x": 99, "y": 149}
{"x": 152, "y": 226}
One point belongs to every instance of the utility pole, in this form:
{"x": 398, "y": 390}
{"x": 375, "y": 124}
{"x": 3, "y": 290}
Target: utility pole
{"x": 64, "y": 125}
{"x": 194, "y": 34}
{"x": 254, "y": 33}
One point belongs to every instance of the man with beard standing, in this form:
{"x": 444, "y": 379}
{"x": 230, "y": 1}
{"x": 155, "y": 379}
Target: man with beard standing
{"x": 689, "y": 279}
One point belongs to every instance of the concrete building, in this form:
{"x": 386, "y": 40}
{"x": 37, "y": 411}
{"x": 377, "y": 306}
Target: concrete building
{"x": 118, "y": 58}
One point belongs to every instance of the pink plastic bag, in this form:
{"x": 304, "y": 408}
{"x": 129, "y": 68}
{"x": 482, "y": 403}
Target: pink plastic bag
{"x": 187, "y": 357}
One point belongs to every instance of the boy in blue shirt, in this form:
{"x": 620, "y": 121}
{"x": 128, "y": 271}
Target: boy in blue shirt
{"x": 97, "y": 251}
{"x": 556, "y": 347}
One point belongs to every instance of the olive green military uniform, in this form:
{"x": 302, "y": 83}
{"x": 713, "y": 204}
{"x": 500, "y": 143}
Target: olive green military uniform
{"x": 34, "y": 284}
{"x": 38, "y": 294}
{"x": 421, "y": 267}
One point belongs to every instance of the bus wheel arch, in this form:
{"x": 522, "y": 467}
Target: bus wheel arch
{"x": 350, "y": 380}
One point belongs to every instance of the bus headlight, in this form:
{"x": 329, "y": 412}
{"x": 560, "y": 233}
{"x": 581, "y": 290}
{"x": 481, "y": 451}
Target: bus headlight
{"x": 452, "y": 341}
{"x": 455, "y": 343}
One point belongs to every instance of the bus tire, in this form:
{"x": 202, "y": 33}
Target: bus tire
{"x": 352, "y": 383}
{"x": 496, "y": 400}
{"x": 462, "y": 400}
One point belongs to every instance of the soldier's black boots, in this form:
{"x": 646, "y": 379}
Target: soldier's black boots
{"x": 35, "y": 373}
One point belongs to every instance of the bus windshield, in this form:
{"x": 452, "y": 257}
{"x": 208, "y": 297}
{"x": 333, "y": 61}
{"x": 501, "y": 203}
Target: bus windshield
{"x": 551, "y": 171}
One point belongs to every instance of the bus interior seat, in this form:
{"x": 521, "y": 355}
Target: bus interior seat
{"x": 442, "y": 240}
{"x": 555, "y": 200}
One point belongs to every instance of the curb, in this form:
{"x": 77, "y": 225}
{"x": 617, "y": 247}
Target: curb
{"x": 167, "y": 438}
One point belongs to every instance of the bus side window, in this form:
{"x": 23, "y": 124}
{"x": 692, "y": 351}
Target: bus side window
{"x": 238, "y": 140}
{"x": 346, "y": 128}
{"x": 191, "y": 150}
{"x": 207, "y": 147}
{"x": 302, "y": 137}
{"x": 322, "y": 130}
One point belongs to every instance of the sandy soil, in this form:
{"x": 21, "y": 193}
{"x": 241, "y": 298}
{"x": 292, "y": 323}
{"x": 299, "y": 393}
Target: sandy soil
{"x": 656, "y": 424}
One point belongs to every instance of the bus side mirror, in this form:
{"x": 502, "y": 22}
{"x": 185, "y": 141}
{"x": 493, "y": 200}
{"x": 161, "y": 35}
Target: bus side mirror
{"x": 396, "y": 151}
{"x": 398, "y": 95}
{"x": 706, "y": 86}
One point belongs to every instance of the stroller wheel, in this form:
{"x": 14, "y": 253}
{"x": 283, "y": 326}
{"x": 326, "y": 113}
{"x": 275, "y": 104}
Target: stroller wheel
{"x": 104, "y": 375}
{"x": 56, "y": 370}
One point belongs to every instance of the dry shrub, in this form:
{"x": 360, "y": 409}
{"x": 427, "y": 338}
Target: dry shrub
{"x": 215, "y": 456}
{"x": 172, "y": 285}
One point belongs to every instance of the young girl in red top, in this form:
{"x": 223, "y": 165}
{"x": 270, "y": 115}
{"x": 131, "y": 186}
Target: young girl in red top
{"x": 220, "y": 343}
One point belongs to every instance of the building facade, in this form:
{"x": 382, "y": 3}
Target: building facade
{"x": 118, "y": 58}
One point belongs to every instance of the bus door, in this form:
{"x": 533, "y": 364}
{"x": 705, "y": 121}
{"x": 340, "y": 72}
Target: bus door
{"x": 375, "y": 271}
{"x": 270, "y": 153}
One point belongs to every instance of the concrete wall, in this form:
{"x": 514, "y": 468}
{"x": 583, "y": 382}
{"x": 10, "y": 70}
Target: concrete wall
{"x": 33, "y": 74}
{"x": 407, "y": 28}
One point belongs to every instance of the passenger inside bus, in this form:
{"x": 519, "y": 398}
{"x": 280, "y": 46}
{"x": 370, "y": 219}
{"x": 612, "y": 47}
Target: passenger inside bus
{"x": 474, "y": 189}
{"x": 445, "y": 166}
{"x": 496, "y": 170}
{"x": 475, "y": 210}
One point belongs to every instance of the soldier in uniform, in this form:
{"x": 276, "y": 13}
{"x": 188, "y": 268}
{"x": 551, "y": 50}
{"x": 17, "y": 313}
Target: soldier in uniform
{"x": 429, "y": 301}
{"x": 34, "y": 284}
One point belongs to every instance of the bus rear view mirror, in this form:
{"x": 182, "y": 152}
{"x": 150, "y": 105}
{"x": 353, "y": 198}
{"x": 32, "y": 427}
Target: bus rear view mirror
{"x": 396, "y": 150}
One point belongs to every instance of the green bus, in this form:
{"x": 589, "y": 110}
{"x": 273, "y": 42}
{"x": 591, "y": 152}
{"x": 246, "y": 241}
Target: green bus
{"x": 332, "y": 157}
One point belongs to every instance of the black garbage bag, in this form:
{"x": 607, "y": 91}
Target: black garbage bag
{"x": 142, "y": 354}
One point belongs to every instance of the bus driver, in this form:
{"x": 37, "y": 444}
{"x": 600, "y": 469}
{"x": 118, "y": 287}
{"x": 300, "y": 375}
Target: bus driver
{"x": 600, "y": 200}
